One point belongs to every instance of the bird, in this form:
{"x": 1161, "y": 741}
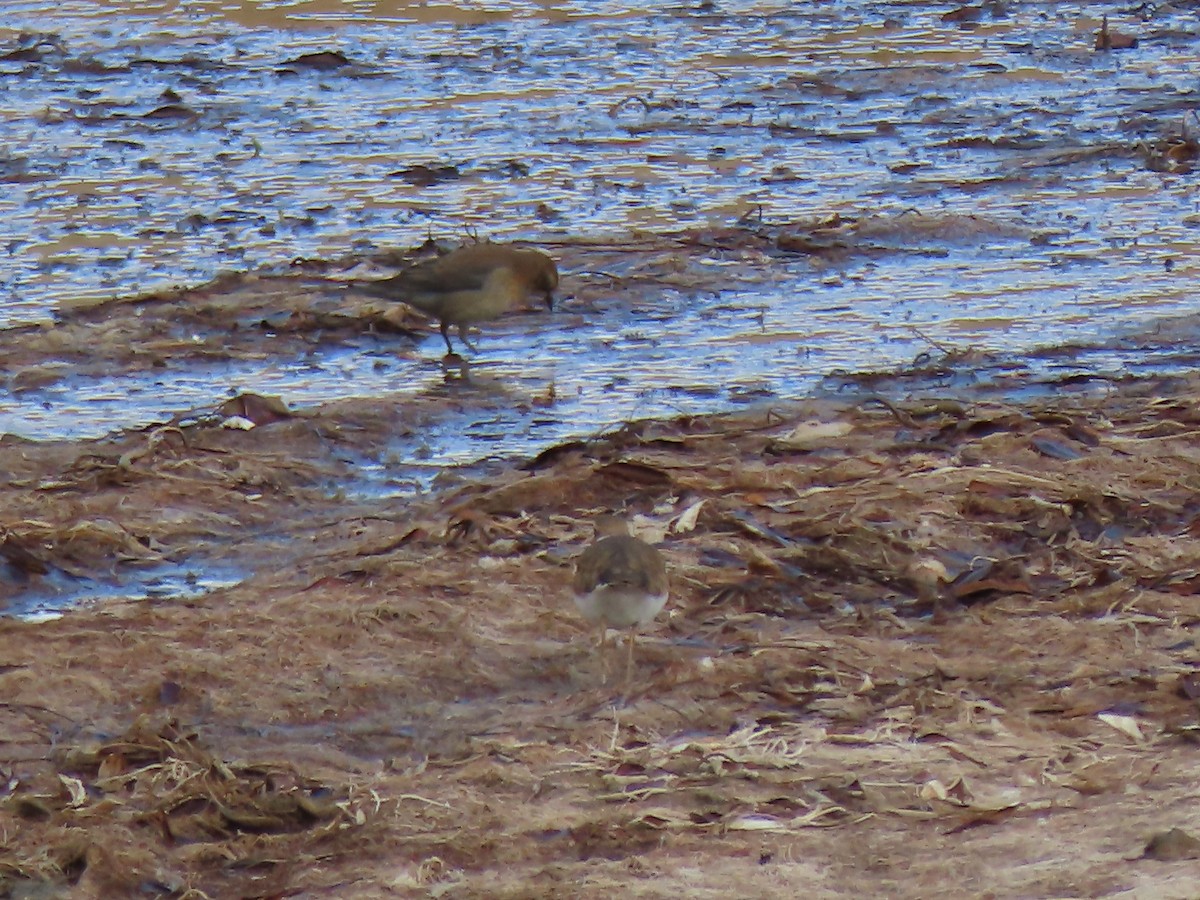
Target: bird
{"x": 473, "y": 283}
{"x": 620, "y": 582}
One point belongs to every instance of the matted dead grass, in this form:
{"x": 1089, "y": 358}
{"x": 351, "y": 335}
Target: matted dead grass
{"x": 403, "y": 702}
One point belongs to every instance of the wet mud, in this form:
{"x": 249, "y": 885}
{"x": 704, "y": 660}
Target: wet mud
{"x": 906, "y": 631}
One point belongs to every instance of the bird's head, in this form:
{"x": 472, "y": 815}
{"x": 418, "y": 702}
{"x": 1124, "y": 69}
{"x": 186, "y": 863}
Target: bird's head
{"x": 541, "y": 274}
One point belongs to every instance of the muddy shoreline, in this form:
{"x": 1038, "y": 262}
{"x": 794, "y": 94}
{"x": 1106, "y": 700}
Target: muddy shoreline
{"x": 400, "y": 696}
{"x": 284, "y": 594}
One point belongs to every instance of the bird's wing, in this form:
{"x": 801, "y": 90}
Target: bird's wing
{"x": 620, "y": 562}
{"x": 444, "y": 276}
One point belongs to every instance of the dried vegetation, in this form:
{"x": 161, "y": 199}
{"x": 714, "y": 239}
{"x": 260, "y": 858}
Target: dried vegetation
{"x": 914, "y": 650}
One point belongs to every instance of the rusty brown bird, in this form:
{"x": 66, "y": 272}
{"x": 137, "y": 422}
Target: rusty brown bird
{"x": 475, "y": 283}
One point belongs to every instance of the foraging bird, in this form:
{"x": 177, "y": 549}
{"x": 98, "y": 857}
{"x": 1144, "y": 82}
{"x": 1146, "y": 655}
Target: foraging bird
{"x": 472, "y": 284}
{"x": 620, "y": 582}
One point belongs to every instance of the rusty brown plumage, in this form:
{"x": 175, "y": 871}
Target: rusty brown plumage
{"x": 475, "y": 283}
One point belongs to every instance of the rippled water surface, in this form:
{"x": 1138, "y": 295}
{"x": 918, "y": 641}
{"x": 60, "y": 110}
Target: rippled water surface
{"x": 149, "y": 145}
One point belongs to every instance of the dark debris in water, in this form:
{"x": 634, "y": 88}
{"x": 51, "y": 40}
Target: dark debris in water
{"x": 322, "y": 60}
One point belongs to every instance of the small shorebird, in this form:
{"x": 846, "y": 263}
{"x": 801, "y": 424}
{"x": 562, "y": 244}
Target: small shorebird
{"x": 620, "y": 582}
{"x": 471, "y": 284}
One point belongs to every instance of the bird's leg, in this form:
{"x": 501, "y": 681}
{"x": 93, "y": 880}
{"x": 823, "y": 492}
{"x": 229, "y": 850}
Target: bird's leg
{"x": 629, "y": 658}
{"x": 445, "y": 329}
{"x": 602, "y": 646}
{"x": 462, "y": 336}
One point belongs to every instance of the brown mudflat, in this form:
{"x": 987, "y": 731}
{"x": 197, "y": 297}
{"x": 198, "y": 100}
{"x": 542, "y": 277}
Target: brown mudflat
{"x": 404, "y": 699}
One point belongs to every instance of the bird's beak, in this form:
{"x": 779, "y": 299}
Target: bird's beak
{"x": 550, "y": 301}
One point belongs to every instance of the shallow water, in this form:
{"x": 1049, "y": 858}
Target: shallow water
{"x": 994, "y": 164}
{"x": 59, "y": 592}
{"x": 152, "y": 146}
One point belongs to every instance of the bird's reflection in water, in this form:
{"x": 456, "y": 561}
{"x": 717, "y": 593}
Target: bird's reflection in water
{"x": 456, "y": 369}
